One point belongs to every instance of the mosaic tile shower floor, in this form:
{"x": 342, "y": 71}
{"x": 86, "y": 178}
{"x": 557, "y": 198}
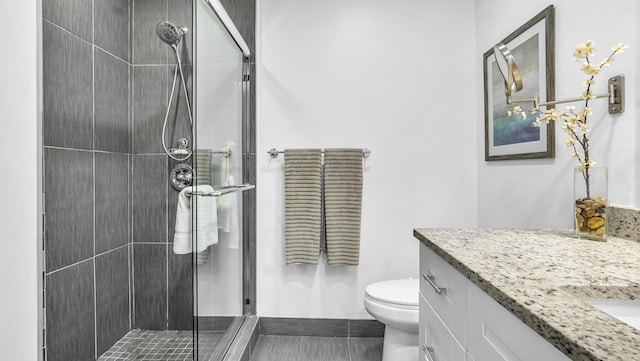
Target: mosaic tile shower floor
{"x": 147, "y": 345}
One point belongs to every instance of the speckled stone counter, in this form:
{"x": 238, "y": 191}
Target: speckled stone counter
{"x": 542, "y": 277}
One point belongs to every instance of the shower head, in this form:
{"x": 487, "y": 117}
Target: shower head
{"x": 169, "y": 33}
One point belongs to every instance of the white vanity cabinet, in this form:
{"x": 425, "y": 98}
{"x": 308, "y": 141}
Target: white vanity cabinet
{"x": 459, "y": 321}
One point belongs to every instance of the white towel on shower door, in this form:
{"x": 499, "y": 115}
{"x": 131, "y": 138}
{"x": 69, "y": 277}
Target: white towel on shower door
{"x": 206, "y": 222}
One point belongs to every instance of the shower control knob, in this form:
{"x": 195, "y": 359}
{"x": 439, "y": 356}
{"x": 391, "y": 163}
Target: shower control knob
{"x": 181, "y": 176}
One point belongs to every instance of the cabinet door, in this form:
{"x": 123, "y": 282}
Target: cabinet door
{"x": 437, "y": 343}
{"x": 495, "y": 334}
{"x": 446, "y": 291}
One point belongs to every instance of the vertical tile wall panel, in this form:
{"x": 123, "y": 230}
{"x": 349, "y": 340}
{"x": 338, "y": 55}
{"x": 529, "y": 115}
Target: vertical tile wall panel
{"x": 112, "y": 27}
{"x": 67, "y": 89}
{"x": 70, "y": 319}
{"x": 69, "y": 207}
{"x": 73, "y": 15}
{"x": 147, "y": 47}
{"x": 149, "y": 197}
{"x": 179, "y": 123}
{"x": 150, "y": 286}
{"x": 112, "y": 297}
{"x": 181, "y": 14}
{"x": 112, "y": 209}
{"x": 111, "y": 103}
{"x": 149, "y": 107}
{"x": 180, "y": 291}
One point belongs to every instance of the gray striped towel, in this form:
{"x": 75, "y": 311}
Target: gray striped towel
{"x": 342, "y": 205}
{"x": 202, "y": 159}
{"x": 303, "y": 200}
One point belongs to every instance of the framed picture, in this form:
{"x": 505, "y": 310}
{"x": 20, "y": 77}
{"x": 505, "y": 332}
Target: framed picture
{"x": 515, "y": 137}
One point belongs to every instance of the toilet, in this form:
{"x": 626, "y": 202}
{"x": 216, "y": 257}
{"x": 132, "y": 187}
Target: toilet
{"x": 395, "y": 304}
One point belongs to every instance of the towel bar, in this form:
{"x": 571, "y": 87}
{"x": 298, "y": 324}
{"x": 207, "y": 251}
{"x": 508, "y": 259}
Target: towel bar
{"x": 223, "y": 190}
{"x": 273, "y": 152}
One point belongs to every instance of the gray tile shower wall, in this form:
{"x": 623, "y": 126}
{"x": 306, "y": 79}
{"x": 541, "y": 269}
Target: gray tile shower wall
{"x": 68, "y": 89}
{"x": 69, "y": 207}
{"x": 180, "y": 283}
{"x": 179, "y": 121}
{"x": 149, "y": 106}
{"x": 112, "y": 27}
{"x": 149, "y": 198}
{"x": 181, "y": 14}
{"x": 150, "y": 282}
{"x": 112, "y": 203}
{"x": 86, "y": 132}
{"x": 147, "y": 47}
{"x": 111, "y": 103}
{"x": 113, "y": 317}
{"x": 70, "y": 314}
{"x": 109, "y": 209}
{"x": 75, "y": 16}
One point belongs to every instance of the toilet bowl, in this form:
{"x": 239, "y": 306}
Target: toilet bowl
{"x": 395, "y": 304}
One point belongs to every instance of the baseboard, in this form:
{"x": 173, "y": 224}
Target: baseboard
{"x": 320, "y": 327}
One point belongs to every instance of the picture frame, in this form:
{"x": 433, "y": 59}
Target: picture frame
{"x": 515, "y": 137}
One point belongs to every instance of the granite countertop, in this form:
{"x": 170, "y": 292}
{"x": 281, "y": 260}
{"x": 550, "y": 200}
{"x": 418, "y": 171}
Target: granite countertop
{"x": 542, "y": 277}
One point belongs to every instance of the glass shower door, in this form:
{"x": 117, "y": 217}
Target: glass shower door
{"x": 218, "y": 107}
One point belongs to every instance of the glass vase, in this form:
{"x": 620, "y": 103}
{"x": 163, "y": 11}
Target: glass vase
{"x": 591, "y": 202}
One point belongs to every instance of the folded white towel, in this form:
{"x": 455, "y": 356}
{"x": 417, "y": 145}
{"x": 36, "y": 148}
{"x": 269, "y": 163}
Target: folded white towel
{"x": 228, "y": 222}
{"x": 206, "y": 222}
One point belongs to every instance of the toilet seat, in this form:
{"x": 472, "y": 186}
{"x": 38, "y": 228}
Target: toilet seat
{"x": 403, "y": 293}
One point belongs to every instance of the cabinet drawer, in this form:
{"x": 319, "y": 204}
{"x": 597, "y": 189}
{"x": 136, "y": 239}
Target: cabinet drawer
{"x": 437, "y": 343}
{"x": 446, "y": 291}
{"x": 495, "y": 334}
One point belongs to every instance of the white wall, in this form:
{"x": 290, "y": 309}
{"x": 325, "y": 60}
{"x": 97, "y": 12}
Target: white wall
{"x": 538, "y": 193}
{"x": 397, "y": 77}
{"x": 20, "y": 185}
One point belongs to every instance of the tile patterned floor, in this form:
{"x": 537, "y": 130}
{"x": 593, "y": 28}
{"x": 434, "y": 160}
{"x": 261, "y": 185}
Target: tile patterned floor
{"x": 146, "y": 345}
{"x": 310, "y": 348}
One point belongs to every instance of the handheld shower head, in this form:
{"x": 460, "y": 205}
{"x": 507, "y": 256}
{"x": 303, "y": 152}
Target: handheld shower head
{"x": 170, "y": 33}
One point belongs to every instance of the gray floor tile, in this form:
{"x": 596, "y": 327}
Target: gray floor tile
{"x": 295, "y": 348}
{"x": 365, "y": 349}
{"x": 145, "y": 345}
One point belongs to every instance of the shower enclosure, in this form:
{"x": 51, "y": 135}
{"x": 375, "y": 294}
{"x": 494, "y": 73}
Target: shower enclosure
{"x": 221, "y": 107}
{"x": 127, "y": 125}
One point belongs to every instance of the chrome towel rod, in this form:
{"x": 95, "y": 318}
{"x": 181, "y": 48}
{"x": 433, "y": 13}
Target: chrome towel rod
{"x": 223, "y": 190}
{"x": 226, "y": 153}
{"x": 273, "y": 152}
